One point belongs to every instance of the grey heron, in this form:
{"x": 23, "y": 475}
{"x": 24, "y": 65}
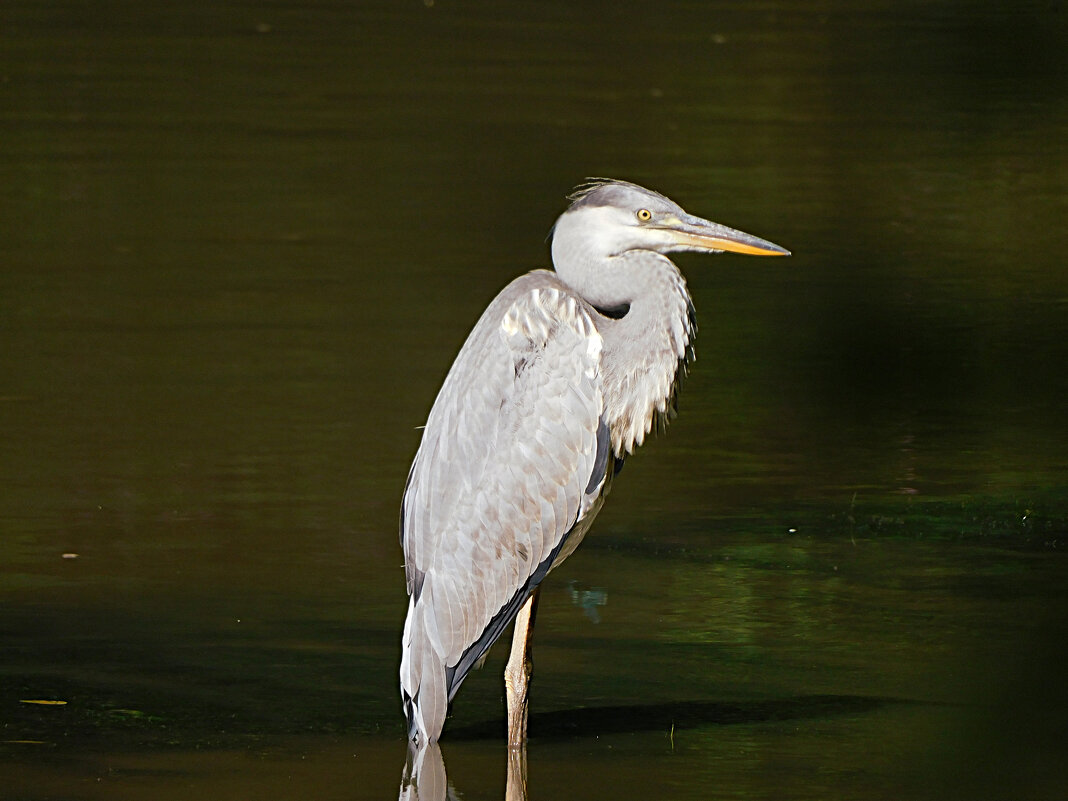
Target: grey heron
{"x": 562, "y": 377}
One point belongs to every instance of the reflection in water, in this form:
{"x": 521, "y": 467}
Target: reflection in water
{"x": 424, "y": 779}
{"x": 588, "y": 599}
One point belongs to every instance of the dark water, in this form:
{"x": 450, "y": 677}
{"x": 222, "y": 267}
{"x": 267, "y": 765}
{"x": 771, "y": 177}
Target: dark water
{"x": 239, "y": 246}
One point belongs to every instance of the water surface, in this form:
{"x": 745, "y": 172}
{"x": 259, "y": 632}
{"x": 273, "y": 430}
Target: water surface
{"x": 240, "y": 246}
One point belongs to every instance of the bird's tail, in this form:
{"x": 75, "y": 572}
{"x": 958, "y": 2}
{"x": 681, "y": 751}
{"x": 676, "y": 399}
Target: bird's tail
{"x": 422, "y": 679}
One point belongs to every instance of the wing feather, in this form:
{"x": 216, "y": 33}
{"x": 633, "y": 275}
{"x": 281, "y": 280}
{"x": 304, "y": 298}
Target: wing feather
{"x": 503, "y": 474}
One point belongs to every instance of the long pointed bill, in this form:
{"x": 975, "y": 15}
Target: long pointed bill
{"x": 693, "y": 233}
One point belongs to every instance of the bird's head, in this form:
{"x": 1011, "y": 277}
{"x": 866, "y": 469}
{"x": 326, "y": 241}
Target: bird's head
{"x": 609, "y": 218}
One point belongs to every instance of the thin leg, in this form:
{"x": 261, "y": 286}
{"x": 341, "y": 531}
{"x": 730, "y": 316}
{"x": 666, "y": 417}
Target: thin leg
{"x": 518, "y": 671}
{"x": 515, "y": 788}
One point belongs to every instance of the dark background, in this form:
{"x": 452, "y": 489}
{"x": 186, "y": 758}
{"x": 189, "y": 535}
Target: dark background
{"x": 240, "y": 244}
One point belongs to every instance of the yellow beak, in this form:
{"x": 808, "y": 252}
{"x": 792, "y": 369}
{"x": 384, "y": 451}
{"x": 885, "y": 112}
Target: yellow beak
{"x": 694, "y": 233}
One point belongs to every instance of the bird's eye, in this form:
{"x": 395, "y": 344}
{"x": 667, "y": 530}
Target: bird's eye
{"x": 645, "y": 215}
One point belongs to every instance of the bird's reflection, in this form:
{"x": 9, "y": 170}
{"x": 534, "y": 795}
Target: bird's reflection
{"x": 424, "y": 778}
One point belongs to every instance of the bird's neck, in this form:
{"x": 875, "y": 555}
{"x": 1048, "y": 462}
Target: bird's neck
{"x": 645, "y": 349}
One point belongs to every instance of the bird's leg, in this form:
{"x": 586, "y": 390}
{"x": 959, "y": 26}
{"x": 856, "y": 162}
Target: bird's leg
{"x": 518, "y": 671}
{"x": 515, "y": 788}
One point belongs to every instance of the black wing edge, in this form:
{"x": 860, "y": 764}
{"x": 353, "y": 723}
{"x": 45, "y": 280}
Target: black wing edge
{"x": 455, "y": 675}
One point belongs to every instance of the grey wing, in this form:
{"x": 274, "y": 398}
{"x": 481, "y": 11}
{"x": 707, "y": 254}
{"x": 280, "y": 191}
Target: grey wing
{"x": 511, "y": 466}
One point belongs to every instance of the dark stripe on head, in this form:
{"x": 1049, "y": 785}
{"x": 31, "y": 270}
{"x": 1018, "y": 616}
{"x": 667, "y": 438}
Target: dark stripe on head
{"x": 607, "y": 192}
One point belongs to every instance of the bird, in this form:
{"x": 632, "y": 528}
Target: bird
{"x": 563, "y": 376}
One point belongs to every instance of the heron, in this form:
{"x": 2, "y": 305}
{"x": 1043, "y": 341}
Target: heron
{"x": 563, "y": 376}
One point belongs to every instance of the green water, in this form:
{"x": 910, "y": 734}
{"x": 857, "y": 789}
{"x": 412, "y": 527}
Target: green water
{"x": 239, "y": 247}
